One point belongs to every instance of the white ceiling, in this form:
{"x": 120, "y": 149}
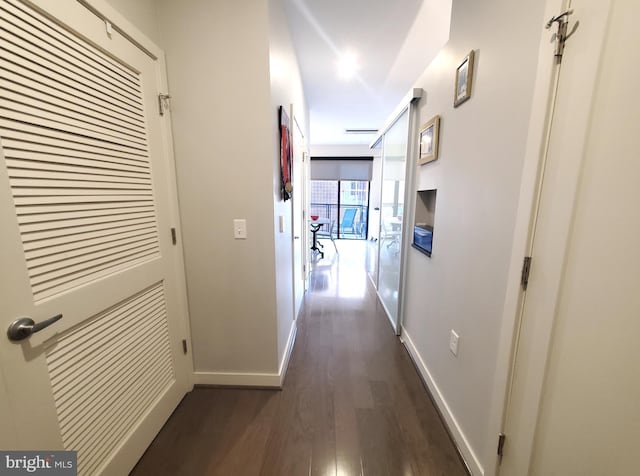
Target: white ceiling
{"x": 394, "y": 41}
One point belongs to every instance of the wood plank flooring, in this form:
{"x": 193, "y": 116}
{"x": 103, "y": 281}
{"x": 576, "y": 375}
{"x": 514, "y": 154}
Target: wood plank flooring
{"x": 352, "y": 403}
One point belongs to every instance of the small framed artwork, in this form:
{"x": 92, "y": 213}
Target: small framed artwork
{"x": 464, "y": 80}
{"x": 286, "y": 154}
{"x": 429, "y": 134}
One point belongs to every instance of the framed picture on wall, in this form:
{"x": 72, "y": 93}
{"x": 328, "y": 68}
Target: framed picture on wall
{"x": 286, "y": 154}
{"x": 429, "y": 135}
{"x": 464, "y": 80}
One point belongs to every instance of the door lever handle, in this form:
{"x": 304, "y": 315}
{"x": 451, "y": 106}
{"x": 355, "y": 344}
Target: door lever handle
{"x": 24, "y": 327}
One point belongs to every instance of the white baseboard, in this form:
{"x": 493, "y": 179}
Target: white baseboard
{"x": 284, "y": 365}
{"x": 240, "y": 379}
{"x": 247, "y": 379}
{"x": 456, "y": 432}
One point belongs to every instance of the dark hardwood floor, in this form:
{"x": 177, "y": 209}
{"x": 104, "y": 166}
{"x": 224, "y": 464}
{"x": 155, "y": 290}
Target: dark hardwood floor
{"x": 352, "y": 403}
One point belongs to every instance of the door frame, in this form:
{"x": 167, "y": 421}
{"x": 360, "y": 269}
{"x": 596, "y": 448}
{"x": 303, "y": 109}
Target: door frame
{"x": 306, "y": 206}
{"x": 299, "y": 151}
{"x": 540, "y": 127}
{"x": 7, "y": 419}
{"x": 409, "y": 104}
{"x": 183, "y": 367}
{"x": 106, "y": 12}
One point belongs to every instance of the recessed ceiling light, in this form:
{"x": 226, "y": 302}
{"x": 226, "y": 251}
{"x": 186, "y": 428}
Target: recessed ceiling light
{"x": 347, "y": 65}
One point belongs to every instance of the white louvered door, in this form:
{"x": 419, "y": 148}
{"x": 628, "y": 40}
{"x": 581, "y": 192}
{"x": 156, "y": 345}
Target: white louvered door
{"x": 87, "y": 201}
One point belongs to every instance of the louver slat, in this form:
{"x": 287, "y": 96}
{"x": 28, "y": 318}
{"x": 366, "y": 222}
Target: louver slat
{"x": 59, "y": 147}
{"x": 67, "y": 38}
{"x": 25, "y": 109}
{"x": 106, "y": 373}
{"x": 41, "y": 161}
{"x": 74, "y": 139}
{"x": 65, "y": 45}
{"x": 21, "y": 80}
{"x": 42, "y": 128}
{"x": 76, "y": 153}
{"x": 78, "y": 240}
{"x": 42, "y": 256}
{"x": 35, "y": 50}
{"x": 89, "y": 210}
{"x": 33, "y": 66}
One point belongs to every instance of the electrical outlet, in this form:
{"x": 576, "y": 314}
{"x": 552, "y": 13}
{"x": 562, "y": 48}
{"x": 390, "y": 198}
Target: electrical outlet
{"x": 453, "y": 343}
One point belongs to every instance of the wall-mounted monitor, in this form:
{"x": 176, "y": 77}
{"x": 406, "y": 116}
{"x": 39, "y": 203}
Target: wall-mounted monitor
{"x": 424, "y": 221}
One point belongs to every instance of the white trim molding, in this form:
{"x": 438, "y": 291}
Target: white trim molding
{"x": 103, "y": 10}
{"x": 284, "y": 364}
{"x": 239, "y": 379}
{"x": 412, "y": 95}
{"x": 469, "y": 456}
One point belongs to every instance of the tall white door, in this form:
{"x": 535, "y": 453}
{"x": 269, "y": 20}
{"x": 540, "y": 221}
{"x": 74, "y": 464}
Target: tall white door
{"x": 574, "y": 408}
{"x": 392, "y": 210}
{"x": 7, "y": 421}
{"x": 86, "y": 206}
{"x": 298, "y": 222}
{"x": 306, "y": 206}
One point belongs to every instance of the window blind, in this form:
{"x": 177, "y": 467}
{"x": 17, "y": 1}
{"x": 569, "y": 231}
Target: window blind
{"x": 325, "y": 168}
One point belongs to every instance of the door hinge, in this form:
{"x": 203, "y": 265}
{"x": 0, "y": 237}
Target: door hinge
{"x": 526, "y": 268}
{"x": 184, "y": 346}
{"x": 163, "y": 103}
{"x": 304, "y": 269}
{"x": 561, "y": 35}
{"x": 174, "y": 236}
{"x": 501, "y": 438}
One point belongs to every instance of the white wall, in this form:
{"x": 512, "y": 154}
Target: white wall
{"x": 218, "y": 70}
{"x": 286, "y": 89}
{"x": 340, "y": 150}
{"x": 482, "y": 147}
{"x": 141, "y": 13}
{"x": 230, "y": 66}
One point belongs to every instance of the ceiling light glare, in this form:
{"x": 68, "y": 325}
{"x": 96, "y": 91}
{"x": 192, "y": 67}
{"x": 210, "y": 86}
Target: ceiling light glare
{"x": 347, "y": 65}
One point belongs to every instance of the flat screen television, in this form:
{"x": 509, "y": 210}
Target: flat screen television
{"x": 423, "y": 238}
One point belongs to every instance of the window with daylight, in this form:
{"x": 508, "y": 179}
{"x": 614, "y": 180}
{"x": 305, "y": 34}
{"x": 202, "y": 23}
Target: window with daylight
{"x": 345, "y": 203}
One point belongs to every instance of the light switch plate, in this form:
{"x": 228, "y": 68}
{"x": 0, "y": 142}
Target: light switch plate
{"x": 453, "y": 343}
{"x": 240, "y": 229}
